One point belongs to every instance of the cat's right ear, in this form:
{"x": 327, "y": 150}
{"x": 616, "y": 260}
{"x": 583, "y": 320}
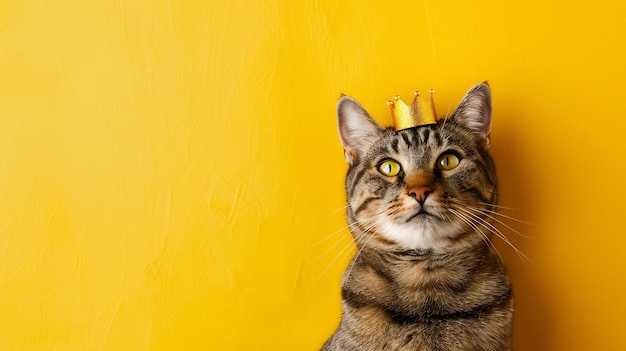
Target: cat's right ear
{"x": 357, "y": 130}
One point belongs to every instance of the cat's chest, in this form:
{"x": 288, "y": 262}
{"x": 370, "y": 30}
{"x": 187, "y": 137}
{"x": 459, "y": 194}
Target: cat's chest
{"x": 377, "y": 330}
{"x": 374, "y": 329}
{"x": 403, "y": 286}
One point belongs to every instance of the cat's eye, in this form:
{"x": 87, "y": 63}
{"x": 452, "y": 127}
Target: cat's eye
{"x": 448, "y": 161}
{"x": 390, "y": 168}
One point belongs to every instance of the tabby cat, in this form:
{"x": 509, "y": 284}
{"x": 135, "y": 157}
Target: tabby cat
{"x": 419, "y": 203}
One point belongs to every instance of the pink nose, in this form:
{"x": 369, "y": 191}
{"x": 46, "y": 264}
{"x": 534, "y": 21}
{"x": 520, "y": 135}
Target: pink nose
{"x": 420, "y": 192}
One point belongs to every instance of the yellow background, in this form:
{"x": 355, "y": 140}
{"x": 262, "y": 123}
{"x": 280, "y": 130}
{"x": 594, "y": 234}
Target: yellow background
{"x": 171, "y": 176}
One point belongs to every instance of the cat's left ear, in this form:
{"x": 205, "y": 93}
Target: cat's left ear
{"x": 474, "y": 112}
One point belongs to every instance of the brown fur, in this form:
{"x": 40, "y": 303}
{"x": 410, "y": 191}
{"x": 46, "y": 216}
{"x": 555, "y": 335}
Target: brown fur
{"x": 422, "y": 281}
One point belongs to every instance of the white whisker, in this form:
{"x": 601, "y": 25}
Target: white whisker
{"x": 332, "y": 262}
{"x": 507, "y": 217}
{"x": 347, "y": 276}
{"x": 337, "y": 211}
{"x": 328, "y": 237}
{"x": 331, "y": 247}
{"x": 492, "y": 215}
{"x": 496, "y": 232}
{"x": 472, "y": 225}
{"x": 497, "y": 206}
{"x": 349, "y": 226}
{"x": 343, "y": 253}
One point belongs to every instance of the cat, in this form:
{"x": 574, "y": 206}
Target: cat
{"x": 425, "y": 276}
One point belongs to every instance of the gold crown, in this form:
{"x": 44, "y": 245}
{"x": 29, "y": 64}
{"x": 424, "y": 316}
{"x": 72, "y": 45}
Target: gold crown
{"x": 421, "y": 112}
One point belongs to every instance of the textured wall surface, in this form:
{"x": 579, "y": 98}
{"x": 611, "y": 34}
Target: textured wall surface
{"x": 171, "y": 176}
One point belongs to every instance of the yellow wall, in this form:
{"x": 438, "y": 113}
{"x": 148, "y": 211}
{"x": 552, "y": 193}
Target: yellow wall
{"x": 171, "y": 177}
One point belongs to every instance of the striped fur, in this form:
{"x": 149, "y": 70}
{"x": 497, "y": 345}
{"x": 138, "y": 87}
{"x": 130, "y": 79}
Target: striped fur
{"x": 424, "y": 277}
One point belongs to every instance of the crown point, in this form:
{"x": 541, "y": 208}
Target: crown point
{"x": 420, "y": 112}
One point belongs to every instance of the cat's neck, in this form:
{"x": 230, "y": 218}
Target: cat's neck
{"x": 465, "y": 253}
{"x": 412, "y": 270}
{"x": 414, "y": 281}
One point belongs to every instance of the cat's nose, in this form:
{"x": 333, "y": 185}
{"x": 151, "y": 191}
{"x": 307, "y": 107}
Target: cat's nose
{"x": 420, "y": 193}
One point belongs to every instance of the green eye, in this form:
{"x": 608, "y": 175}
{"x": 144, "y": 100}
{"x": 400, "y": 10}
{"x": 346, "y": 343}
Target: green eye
{"x": 448, "y": 161}
{"x": 389, "y": 168}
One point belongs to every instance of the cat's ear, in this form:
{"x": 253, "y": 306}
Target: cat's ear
{"x": 474, "y": 112}
{"x": 357, "y": 130}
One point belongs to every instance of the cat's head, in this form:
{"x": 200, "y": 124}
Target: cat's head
{"x": 422, "y": 188}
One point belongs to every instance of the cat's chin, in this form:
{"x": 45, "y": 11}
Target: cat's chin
{"x": 425, "y": 234}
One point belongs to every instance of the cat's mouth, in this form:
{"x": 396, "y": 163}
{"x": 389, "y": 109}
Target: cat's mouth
{"x": 421, "y": 215}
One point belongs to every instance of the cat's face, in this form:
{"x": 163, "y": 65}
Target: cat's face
{"x": 422, "y": 188}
